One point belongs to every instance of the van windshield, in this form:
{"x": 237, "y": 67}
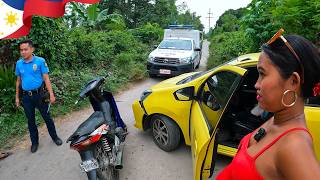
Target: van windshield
{"x": 178, "y": 44}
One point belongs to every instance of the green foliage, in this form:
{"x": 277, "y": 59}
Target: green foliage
{"x": 299, "y": 17}
{"x": 228, "y": 45}
{"x": 11, "y": 125}
{"x": 93, "y": 17}
{"x": 149, "y": 33}
{"x": 7, "y": 77}
{"x": 260, "y": 20}
{"x": 189, "y": 18}
{"x": 8, "y": 51}
{"x": 137, "y": 13}
{"x": 164, "y": 12}
{"x": 7, "y": 89}
{"x": 259, "y": 23}
{"x": 48, "y": 35}
{"x": 87, "y": 48}
{"x": 229, "y": 39}
{"x": 130, "y": 65}
{"x": 264, "y": 18}
{"x": 229, "y": 21}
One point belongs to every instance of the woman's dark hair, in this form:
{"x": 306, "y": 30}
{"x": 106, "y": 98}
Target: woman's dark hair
{"x": 287, "y": 63}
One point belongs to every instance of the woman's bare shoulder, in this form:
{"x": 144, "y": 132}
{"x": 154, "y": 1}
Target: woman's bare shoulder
{"x": 295, "y": 157}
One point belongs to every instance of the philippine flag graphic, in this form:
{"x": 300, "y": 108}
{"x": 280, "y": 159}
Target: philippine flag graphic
{"x": 16, "y": 15}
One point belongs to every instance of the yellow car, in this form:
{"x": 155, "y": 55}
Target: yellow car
{"x": 210, "y": 111}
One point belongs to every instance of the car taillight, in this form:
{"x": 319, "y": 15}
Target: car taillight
{"x": 94, "y": 137}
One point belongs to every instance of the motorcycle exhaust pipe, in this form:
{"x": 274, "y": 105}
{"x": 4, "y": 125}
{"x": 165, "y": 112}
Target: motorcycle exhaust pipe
{"x": 118, "y": 162}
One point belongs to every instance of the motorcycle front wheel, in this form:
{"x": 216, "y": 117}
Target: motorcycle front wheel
{"x": 105, "y": 170}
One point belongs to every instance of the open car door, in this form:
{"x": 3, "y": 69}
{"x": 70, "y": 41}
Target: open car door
{"x": 206, "y": 111}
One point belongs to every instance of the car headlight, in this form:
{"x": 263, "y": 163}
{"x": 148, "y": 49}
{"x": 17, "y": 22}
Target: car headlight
{"x": 151, "y": 59}
{"x": 145, "y": 94}
{"x": 186, "y": 60}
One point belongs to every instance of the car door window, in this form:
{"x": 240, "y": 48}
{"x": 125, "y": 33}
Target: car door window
{"x": 313, "y": 101}
{"x": 215, "y": 94}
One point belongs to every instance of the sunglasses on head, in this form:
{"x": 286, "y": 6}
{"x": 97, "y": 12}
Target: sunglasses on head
{"x": 279, "y": 35}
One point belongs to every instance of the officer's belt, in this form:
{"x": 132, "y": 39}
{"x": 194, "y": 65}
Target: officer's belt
{"x": 31, "y": 92}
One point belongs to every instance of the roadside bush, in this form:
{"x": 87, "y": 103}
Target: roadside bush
{"x": 150, "y": 33}
{"x": 228, "y": 45}
{"x": 129, "y": 66}
{"x": 7, "y": 89}
{"x": 88, "y": 48}
{"x": 50, "y": 40}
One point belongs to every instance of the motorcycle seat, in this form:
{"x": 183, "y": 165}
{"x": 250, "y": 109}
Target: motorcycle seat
{"x": 88, "y": 126}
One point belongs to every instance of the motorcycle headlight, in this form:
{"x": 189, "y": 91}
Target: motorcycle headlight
{"x": 145, "y": 94}
{"x": 186, "y": 60}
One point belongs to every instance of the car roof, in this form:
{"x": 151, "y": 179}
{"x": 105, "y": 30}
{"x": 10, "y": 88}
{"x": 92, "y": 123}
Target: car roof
{"x": 245, "y": 60}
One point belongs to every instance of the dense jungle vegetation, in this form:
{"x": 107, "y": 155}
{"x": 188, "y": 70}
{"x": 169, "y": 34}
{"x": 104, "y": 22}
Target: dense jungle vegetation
{"x": 244, "y": 30}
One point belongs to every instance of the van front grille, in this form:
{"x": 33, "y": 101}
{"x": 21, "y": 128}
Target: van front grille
{"x": 167, "y": 60}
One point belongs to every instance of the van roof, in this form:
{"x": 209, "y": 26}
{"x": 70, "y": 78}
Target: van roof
{"x": 181, "y": 27}
{"x": 172, "y": 38}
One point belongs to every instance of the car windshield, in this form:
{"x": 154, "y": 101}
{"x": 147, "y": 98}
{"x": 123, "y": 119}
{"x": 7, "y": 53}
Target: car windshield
{"x": 191, "y": 77}
{"x": 178, "y": 44}
{"x": 195, "y": 76}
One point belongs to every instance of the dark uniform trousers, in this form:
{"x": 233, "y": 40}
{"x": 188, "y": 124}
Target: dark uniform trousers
{"x": 30, "y": 103}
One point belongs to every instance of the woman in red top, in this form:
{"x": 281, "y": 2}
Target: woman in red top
{"x": 282, "y": 148}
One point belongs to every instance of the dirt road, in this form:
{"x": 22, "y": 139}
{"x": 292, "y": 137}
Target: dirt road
{"x": 143, "y": 160}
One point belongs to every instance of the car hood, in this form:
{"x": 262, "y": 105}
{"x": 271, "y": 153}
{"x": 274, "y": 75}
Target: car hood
{"x": 171, "y": 53}
{"x": 171, "y": 82}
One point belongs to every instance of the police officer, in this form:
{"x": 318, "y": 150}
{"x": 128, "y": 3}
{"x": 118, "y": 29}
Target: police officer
{"x": 32, "y": 72}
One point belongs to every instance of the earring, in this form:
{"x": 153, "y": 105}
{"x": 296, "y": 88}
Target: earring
{"x": 295, "y": 98}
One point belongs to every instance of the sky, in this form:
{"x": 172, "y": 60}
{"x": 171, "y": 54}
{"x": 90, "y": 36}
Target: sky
{"x": 201, "y": 7}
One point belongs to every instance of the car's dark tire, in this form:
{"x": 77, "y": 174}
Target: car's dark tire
{"x": 193, "y": 67}
{"x": 165, "y": 132}
{"x": 198, "y": 65}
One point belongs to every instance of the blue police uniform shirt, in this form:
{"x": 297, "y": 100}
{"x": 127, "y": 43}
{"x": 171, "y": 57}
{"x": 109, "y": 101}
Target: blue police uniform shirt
{"x": 31, "y": 72}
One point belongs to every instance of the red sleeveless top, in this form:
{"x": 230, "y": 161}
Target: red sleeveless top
{"x": 243, "y": 165}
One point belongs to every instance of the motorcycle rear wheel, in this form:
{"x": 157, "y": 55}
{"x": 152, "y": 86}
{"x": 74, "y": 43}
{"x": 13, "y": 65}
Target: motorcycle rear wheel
{"x": 105, "y": 170}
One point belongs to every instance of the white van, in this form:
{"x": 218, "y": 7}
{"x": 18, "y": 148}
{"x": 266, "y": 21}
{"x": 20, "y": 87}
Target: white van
{"x": 179, "y": 31}
{"x": 178, "y": 53}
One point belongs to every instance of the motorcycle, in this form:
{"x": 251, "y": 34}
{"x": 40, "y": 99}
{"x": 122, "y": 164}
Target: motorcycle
{"x": 100, "y": 139}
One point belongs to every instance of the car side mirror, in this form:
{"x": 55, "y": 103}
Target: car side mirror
{"x": 211, "y": 101}
{"x": 184, "y": 94}
{"x": 155, "y": 46}
{"x": 197, "y": 49}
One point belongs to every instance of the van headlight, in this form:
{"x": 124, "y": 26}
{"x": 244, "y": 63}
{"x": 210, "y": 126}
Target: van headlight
{"x": 186, "y": 60}
{"x": 151, "y": 59}
{"x": 145, "y": 94}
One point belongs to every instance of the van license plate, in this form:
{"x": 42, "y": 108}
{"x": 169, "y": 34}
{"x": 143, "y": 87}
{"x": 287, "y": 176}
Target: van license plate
{"x": 89, "y": 165}
{"x": 165, "y": 71}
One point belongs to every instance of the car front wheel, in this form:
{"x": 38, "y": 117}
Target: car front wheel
{"x": 165, "y": 133}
